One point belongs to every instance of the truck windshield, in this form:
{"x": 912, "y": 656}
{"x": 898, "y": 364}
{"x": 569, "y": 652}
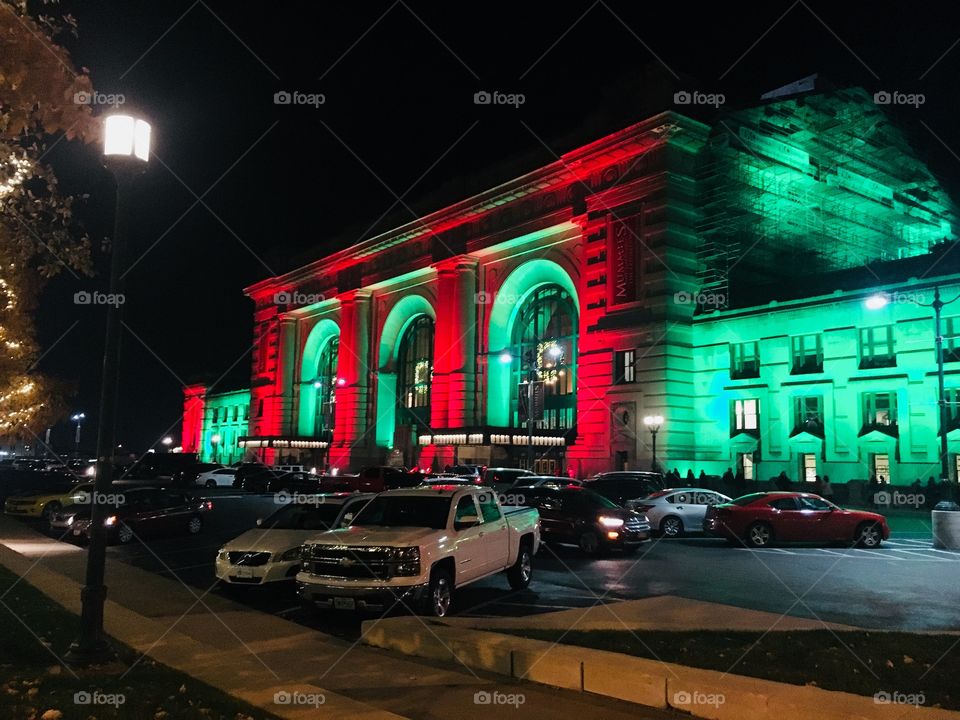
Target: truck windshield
{"x": 405, "y": 511}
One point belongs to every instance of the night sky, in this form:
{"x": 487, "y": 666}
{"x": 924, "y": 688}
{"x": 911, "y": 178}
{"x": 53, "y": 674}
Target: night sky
{"x": 398, "y": 134}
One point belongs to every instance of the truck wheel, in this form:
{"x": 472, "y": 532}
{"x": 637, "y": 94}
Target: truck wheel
{"x": 522, "y": 570}
{"x": 440, "y": 593}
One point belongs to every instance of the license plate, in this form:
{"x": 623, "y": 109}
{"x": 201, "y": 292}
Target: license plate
{"x": 244, "y": 572}
{"x": 340, "y": 603}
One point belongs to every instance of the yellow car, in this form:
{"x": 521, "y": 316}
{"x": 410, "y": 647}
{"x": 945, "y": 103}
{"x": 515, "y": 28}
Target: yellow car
{"x": 45, "y": 504}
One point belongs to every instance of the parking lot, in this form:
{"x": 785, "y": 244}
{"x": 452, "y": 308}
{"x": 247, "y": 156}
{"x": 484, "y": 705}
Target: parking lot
{"x": 906, "y": 584}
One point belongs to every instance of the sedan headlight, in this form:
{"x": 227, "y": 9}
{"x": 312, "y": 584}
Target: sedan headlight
{"x": 222, "y": 554}
{"x": 288, "y": 556}
{"x": 110, "y": 521}
{"x": 610, "y": 522}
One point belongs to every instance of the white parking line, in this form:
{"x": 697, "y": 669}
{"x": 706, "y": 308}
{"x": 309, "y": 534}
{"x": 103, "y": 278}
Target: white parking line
{"x": 921, "y": 555}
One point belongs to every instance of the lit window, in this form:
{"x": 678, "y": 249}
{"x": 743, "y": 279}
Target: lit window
{"x": 879, "y": 409}
{"x": 807, "y": 354}
{"x": 415, "y": 370}
{"x": 808, "y": 467}
{"x": 624, "y": 366}
{"x": 744, "y": 360}
{"x": 876, "y": 347}
{"x": 745, "y": 414}
{"x": 745, "y": 464}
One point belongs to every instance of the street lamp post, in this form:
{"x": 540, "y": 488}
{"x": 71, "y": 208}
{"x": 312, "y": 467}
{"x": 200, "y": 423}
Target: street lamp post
{"x": 126, "y": 149}
{"x": 653, "y": 423}
{"x": 881, "y": 300}
{"x": 77, "y": 418}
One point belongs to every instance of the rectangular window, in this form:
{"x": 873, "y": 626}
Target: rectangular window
{"x": 807, "y": 354}
{"x": 246, "y": 412}
{"x": 881, "y": 467}
{"x": 808, "y": 467}
{"x": 744, "y": 360}
{"x": 745, "y": 463}
{"x": 624, "y": 366}
{"x": 879, "y": 409}
{"x": 876, "y": 347}
{"x": 216, "y": 415}
{"x": 236, "y": 413}
{"x": 951, "y": 339}
{"x": 808, "y": 415}
{"x": 745, "y": 415}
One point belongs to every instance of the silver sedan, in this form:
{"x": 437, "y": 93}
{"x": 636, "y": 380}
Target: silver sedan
{"x": 676, "y": 511}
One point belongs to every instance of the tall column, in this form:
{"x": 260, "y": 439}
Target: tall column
{"x": 353, "y": 438}
{"x": 286, "y": 372}
{"x": 454, "y": 361}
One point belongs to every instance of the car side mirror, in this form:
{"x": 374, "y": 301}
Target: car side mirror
{"x": 346, "y": 519}
{"x": 467, "y": 521}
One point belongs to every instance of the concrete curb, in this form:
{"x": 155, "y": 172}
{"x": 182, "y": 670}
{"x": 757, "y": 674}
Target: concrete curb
{"x": 702, "y": 693}
{"x": 243, "y": 677}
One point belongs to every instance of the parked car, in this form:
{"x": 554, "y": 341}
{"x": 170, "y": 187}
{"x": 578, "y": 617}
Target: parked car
{"x": 762, "y": 519}
{"x": 575, "y": 516}
{"x": 282, "y": 483}
{"x": 139, "y": 512}
{"x": 623, "y": 485}
{"x": 419, "y": 545}
{"x": 435, "y": 480}
{"x": 44, "y": 504}
{"x": 466, "y": 469}
{"x": 271, "y": 551}
{"x": 217, "y": 477}
{"x": 553, "y": 481}
{"x": 503, "y": 478}
{"x": 676, "y": 511}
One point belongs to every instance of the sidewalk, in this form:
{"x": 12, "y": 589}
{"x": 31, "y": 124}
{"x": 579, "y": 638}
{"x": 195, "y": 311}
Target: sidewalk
{"x": 251, "y": 655}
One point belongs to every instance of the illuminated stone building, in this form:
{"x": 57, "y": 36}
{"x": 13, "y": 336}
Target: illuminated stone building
{"x": 711, "y": 274}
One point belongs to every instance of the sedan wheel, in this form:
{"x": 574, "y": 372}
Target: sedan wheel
{"x": 195, "y": 525}
{"x": 589, "y": 543}
{"x": 759, "y": 535}
{"x": 211, "y": 483}
{"x": 671, "y": 527}
{"x": 868, "y": 536}
{"x": 125, "y": 534}
{"x": 50, "y": 509}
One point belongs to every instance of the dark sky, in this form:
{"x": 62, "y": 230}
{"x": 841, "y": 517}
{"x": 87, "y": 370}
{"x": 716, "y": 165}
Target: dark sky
{"x": 280, "y": 184}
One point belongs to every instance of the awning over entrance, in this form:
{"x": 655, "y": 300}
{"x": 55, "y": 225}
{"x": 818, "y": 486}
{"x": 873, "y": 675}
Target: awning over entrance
{"x": 501, "y": 436}
{"x": 294, "y": 442}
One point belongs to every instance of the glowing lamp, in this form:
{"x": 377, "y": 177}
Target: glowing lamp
{"x": 126, "y": 137}
{"x": 653, "y": 422}
{"x": 877, "y": 301}
{"x": 506, "y": 358}
{"x": 341, "y": 381}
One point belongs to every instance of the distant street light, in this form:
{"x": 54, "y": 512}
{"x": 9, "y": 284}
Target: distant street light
{"x": 126, "y": 149}
{"x": 77, "y": 418}
{"x": 653, "y": 423}
{"x": 167, "y": 442}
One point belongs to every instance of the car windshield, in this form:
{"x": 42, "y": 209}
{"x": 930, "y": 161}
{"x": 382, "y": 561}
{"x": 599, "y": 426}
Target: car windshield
{"x": 429, "y": 511}
{"x": 304, "y": 516}
{"x": 590, "y": 499}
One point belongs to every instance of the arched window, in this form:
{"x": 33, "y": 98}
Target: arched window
{"x": 326, "y": 387}
{"x": 415, "y": 372}
{"x": 544, "y": 348}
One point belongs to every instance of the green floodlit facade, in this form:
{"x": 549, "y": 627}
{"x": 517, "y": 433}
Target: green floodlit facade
{"x": 225, "y": 417}
{"x": 715, "y": 275}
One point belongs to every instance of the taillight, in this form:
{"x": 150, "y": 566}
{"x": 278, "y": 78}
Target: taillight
{"x": 642, "y": 508}
{"x": 208, "y": 505}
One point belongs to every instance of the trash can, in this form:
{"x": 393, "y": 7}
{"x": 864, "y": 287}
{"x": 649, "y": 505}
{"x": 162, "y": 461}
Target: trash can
{"x": 945, "y": 518}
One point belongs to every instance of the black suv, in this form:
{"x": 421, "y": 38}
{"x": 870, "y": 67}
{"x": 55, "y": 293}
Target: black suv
{"x": 281, "y": 482}
{"x": 574, "y": 516}
{"x": 623, "y": 485}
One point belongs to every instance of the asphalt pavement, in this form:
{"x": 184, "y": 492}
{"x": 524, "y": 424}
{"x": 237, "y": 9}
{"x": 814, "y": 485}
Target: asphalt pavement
{"x": 904, "y": 585}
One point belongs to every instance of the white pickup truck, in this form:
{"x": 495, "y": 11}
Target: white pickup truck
{"x": 413, "y": 547}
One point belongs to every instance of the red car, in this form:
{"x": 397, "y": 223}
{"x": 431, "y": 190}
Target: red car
{"x": 761, "y": 519}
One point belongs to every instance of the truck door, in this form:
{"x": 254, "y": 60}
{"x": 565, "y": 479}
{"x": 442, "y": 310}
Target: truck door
{"x": 494, "y": 533}
{"x": 469, "y": 554}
